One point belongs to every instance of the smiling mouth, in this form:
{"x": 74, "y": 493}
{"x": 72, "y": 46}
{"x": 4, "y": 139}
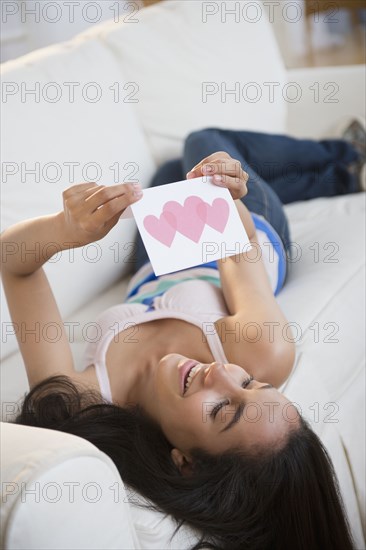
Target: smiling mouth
{"x": 190, "y": 375}
{"x": 189, "y": 371}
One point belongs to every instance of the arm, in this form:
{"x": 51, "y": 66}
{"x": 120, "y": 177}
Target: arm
{"x": 37, "y": 323}
{"x": 27, "y": 245}
{"x": 90, "y": 211}
{"x": 39, "y": 329}
{"x": 240, "y": 276}
{"x": 252, "y": 333}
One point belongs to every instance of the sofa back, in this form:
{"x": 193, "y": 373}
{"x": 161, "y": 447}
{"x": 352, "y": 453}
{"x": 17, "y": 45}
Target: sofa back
{"x": 200, "y": 64}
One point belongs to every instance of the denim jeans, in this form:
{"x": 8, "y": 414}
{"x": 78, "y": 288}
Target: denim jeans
{"x": 281, "y": 170}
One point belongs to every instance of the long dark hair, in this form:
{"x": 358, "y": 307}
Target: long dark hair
{"x": 279, "y": 499}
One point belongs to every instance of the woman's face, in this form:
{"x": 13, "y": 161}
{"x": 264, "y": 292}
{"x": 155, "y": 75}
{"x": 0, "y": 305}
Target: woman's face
{"x": 251, "y": 413}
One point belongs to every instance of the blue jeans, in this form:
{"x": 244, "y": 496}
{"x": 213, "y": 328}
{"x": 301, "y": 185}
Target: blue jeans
{"x": 281, "y": 170}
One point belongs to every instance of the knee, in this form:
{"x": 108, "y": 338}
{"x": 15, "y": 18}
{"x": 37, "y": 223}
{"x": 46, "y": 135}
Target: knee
{"x": 168, "y": 172}
{"x": 199, "y": 145}
{"x": 199, "y": 136}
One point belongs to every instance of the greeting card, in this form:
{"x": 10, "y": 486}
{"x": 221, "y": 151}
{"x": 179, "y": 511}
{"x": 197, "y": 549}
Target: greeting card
{"x": 188, "y": 223}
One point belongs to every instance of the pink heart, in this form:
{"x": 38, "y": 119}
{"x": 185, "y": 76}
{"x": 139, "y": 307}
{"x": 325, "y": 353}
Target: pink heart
{"x": 162, "y": 229}
{"x": 188, "y": 223}
{"x": 216, "y": 216}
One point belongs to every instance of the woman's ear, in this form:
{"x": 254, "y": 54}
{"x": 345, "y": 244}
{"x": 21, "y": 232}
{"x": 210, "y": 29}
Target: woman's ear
{"x": 182, "y": 462}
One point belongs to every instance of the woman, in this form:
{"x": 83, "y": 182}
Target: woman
{"x": 192, "y": 417}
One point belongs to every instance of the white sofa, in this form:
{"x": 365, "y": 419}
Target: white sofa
{"x": 170, "y": 69}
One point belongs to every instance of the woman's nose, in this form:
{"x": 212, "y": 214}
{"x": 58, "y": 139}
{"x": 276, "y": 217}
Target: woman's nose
{"x": 217, "y": 374}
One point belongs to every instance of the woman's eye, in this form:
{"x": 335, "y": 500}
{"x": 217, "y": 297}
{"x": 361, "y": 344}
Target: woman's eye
{"x": 216, "y": 409}
{"x": 219, "y": 406}
{"x": 247, "y": 381}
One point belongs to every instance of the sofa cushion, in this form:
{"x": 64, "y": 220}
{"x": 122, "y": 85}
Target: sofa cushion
{"x": 324, "y": 295}
{"x": 201, "y": 64}
{"x": 48, "y": 130}
{"x": 324, "y": 300}
{"x": 60, "y": 492}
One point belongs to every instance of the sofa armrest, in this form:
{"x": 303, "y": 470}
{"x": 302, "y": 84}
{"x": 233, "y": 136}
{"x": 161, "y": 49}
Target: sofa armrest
{"x": 324, "y": 96}
{"x": 60, "y": 491}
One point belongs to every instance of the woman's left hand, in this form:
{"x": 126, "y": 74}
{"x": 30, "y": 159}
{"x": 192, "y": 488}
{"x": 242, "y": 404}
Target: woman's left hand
{"x": 226, "y": 172}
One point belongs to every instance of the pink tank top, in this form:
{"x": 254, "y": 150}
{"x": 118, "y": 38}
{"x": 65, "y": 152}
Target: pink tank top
{"x": 196, "y": 301}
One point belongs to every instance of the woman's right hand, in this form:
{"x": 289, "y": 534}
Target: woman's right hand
{"x": 91, "y": 210}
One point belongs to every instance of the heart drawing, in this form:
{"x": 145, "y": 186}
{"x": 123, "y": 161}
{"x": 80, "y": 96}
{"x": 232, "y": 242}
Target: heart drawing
{"x": 188, "y": 219}
{"x": 162, "y": 229}
{"x": 215, "y": 216}
{"x": 188, "y": 223}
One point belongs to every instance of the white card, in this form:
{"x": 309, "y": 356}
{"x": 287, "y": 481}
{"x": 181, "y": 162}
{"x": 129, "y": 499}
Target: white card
{"x": 188, "y": 223}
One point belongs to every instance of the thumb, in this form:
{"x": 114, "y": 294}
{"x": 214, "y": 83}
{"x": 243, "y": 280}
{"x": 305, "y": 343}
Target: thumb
{"x": 112, "y": 222}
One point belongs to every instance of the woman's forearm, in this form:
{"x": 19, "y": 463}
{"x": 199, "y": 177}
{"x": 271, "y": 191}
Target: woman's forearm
{"x": 250, "y": 300}
{"x": 242, "y": 274}
{"x": 246, "y": 218}
{"x": 27, "y": 245}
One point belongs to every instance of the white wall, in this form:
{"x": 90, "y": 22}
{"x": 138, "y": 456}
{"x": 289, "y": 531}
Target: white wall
{"x": 27, "y": 25}
{"x": 298, "y": 36}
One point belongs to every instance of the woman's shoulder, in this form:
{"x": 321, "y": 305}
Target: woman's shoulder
{"x": 86, "y": 379}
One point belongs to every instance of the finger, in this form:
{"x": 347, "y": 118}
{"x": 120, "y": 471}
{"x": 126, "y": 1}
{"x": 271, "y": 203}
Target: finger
{"x": 197, "y": 168}
{"x": 205, "y": 168}
{"x": 114, "y": 207}
{"x": 112, "y": 222}
{"x": 237, "y": 188}
{"x": 230, "y": 167}
{"x": 104, "y": 194}
{"x": 218, "y": 164}
{"x": 108, "y": 214}
{"x": 78, "y": 188}
{"x": 212, "y": 157}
